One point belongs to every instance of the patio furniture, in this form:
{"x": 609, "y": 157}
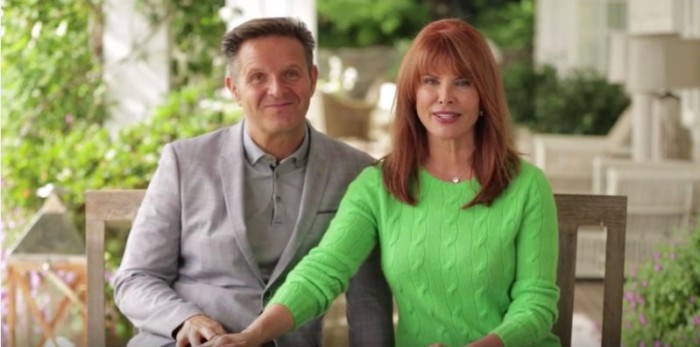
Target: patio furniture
{"x": 567, "y": 160}
{"x": 345, "y": 117}
{"x": 610, "y": 212}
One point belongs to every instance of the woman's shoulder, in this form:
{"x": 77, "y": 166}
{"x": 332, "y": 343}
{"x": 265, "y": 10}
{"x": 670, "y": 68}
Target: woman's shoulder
{"x": 529, "y": 170}
{"x": 370, "y": 174}
{"x": 529, "y": 175}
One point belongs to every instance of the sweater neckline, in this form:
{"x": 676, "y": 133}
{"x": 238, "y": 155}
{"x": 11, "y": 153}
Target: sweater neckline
{"x": 425, "y": 174}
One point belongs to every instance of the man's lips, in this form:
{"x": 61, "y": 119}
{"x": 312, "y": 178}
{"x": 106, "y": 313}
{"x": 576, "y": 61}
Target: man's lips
{"x": 279, "y": 104}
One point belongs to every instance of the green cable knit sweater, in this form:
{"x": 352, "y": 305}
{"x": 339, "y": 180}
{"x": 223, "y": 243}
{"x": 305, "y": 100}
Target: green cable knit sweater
{"x": 456, "y": 275}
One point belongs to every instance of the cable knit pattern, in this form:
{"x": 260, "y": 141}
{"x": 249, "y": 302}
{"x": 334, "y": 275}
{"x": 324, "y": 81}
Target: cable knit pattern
{"x": 457, "y": 275}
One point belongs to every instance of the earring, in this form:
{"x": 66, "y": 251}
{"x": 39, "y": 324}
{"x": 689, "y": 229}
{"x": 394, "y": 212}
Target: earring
{"x": 481, "y": 113}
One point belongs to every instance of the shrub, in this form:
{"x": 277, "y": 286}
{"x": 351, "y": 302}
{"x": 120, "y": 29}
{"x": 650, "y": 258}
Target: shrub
{"x": 662, "y": 300}
{"x": 582, "y": 103}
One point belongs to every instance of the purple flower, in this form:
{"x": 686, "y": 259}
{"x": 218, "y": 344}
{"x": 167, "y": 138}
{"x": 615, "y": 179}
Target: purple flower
{"x": 645, "y": 283}
{"x": 693, "y": 299}
{"x": 695, "y": 319}
{"x": 657, "y": 267}
{"x": 642, "y": 344}
{"x": 658, "y": 343}
{"x": 69, "y": 119}
{"x": 643, "y": 319}
{"x": 34, "y": 279}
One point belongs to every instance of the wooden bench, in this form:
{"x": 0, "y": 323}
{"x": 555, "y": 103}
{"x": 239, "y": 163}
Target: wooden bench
{"x": 573, "y": 211}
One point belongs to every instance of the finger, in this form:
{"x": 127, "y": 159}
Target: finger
{"x": 181, "y": 339}
{"x": 207, "y": 333}
{"x": 195, "y": 338}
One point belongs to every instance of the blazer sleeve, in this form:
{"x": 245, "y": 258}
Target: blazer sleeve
{"x": 143, "y": 284}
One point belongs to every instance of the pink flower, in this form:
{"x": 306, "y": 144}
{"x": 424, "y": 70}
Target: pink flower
{"x": 695, "y": 319}
{"x": 658, "y": 343}
{"x": 657, "y": 267}
{"x": 643, "y": 319}
{"x": 642, "y": 344}
{"x": 645, "y": 283}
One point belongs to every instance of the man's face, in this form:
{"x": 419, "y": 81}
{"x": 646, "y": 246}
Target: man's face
{"x": 272, "y": 83}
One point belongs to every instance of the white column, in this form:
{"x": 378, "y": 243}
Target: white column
{"x": 137, "y": 67}
{"x": 641, "y": 126}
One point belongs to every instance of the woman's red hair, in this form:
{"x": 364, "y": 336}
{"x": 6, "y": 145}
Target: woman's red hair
{"x": 451, "y": 44}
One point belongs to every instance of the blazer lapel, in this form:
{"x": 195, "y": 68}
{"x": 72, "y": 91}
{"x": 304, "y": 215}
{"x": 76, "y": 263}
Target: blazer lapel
{"x": 232, "y": 180}
{"x": 315, "y": 181}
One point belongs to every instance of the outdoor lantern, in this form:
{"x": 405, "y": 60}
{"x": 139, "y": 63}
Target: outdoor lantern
{"x": 52, "y": 248}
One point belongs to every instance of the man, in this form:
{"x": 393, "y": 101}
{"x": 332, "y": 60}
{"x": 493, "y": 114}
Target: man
{"x": 228, "y": 214}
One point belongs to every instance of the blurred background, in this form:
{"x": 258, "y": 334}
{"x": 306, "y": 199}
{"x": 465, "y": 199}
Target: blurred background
{"x": 604, "y": 96}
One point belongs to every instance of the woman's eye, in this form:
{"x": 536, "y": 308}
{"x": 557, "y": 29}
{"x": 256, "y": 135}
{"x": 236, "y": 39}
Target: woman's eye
{"x": 464, "y": 83}
{"x": 431, "y": 80}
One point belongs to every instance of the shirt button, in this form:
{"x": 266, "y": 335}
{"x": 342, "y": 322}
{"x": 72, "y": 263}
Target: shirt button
{"x": 278, "y": 198}
{"x": 267, "y": 295}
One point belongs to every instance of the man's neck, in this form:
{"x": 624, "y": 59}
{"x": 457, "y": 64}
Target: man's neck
{"x": 280, "y": 146}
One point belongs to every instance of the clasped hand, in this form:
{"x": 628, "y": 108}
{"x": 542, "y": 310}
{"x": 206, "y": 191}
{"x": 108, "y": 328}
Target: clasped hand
{"x": 233, "y": 340}
{"x": 198, "y": 329}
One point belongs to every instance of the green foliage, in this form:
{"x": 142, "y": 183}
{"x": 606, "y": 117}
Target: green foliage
{"x": 51, "y": 68}
{"x": 196, "y": 31}
{"x": 662, "y": 301}
{"x": 361, "y": 23}
{"x": 89, "y": 158}
{"x": 519, "y": 33}
{"x": 53, "y": 96}
{"x": 582, "y": 103}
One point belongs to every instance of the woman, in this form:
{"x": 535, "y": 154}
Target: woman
{"x": 467, "y": 230}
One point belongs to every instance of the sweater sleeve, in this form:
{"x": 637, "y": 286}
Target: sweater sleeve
{"x": 324, "y": 273}
{"x": 534, "y": 294}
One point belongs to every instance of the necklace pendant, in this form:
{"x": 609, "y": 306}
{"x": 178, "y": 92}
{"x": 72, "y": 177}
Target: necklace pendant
{"x": 455, "y": 180}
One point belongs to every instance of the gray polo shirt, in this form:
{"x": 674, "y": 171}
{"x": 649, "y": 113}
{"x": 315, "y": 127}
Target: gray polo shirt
{"x": 272, "y": 198}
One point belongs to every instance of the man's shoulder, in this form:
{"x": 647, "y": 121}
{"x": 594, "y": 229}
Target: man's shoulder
{"x": 211, "y": 142}
{"x": 337, "y": 149}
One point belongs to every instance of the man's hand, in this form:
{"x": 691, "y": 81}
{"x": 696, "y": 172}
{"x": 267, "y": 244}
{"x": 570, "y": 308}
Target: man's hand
{"x": 197, "y": 330}
{"x": 233, "y": 340}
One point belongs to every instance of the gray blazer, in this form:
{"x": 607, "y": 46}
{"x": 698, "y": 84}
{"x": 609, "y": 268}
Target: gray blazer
{"x": 188, "y": 253}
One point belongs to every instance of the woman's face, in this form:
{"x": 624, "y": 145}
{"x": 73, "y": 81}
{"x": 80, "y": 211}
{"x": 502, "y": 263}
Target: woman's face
{"x": 447, "y": 105}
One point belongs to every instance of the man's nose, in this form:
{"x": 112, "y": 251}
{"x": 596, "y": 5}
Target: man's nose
{"x": 276, "y": 86}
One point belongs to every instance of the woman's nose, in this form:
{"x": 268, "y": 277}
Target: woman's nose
{"x": 445, "y": 95}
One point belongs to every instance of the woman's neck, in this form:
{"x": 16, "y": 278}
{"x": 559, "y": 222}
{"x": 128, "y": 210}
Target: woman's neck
{"x": 450, "y": 160}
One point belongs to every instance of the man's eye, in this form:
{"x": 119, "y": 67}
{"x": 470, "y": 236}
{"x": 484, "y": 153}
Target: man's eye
{"x": 257, "y": 77}
{"x": 292, "y": 74}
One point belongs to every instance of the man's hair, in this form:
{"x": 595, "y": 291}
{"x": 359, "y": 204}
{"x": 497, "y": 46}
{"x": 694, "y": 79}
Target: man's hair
{"x": 266, "y": 27}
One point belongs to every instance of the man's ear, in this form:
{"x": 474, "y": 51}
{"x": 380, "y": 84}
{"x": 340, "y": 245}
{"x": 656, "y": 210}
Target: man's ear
{"x": 231, "y": 86}
{"x": 313, "y": 74}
